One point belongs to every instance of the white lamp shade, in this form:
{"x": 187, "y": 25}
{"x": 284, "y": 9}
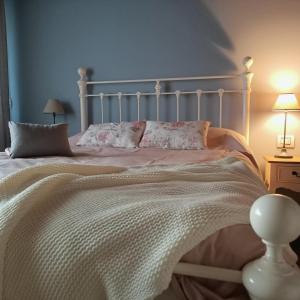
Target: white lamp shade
{"x": 53, "y": 106}
{"x": 286, "y": 102}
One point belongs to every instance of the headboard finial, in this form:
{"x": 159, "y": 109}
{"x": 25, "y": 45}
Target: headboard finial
{"x": 247, "y": 62}
{"x": 82, "y": 84}
{"x": 82, "y": 73}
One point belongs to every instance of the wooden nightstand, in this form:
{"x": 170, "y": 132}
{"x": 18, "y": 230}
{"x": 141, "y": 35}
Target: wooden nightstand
{"x": 282, "y": 173}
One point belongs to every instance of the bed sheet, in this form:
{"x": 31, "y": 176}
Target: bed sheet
{"x": 117, "y": 157}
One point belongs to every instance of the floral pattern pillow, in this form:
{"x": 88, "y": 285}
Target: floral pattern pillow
{"x": 124, "y": 135}
{"x": 175, "y": 135}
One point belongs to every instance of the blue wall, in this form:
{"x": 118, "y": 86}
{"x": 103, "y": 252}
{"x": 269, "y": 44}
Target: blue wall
{"x": 117, "y": 39}
{"x": 49, "y": 39}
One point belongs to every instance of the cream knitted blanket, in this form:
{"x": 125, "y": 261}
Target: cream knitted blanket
{"x": 88, "y": 232}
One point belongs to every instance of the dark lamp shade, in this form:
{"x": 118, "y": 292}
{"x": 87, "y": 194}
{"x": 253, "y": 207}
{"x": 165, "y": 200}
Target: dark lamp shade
{"x": 53, "y": 106}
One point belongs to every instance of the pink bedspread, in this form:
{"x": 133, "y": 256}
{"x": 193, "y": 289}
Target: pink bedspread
{"x": 116, "y": 157}
{"x": 231, "y": 247}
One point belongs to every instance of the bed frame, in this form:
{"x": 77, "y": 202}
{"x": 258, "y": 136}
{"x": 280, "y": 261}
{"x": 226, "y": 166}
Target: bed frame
{"x": 274, "y": 217}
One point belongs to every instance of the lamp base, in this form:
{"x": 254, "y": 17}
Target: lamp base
{"x": 283, "y": 154}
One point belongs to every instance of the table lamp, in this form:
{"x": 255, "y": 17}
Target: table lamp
{"x": 53, "y": 107}
{"x": 285, "y": 102}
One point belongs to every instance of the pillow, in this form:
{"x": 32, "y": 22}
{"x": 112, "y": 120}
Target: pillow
{"x": 175, "y": 135}
{"x": 73, "y": 140}
{"x": 123, "y": 135}
{"x": 223, "y": 138}
{"x": 226, "y": 138}
{"x": 28, "y": 140}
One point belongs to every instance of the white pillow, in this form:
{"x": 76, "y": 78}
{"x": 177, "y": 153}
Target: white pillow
{"x": 124, "y": 135}
{"x": 175, "y": 135}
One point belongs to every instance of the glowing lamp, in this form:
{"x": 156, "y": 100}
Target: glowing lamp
{"x": 284, "y": 80}
{"x": 285, "y": 103}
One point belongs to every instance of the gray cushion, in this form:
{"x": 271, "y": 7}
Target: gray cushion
{"x": 28, "y": 140}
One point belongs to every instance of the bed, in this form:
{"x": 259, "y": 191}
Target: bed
{"x": 114, "y": 223}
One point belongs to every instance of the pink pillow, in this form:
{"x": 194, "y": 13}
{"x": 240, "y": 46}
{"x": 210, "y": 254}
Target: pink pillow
{"x": 223, "y": 138}
{"x": 123, "y": 135}
{"x": 175, "y": 135}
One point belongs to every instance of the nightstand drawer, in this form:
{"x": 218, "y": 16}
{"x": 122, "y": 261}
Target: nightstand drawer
{"x": 288, "y": 174}
{"x": 282, "y": 173}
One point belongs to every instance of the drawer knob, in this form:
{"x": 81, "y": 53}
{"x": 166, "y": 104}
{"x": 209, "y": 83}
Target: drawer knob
{"x": 295, "y": 173}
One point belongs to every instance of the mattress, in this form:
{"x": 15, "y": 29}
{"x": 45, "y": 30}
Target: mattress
{"x": 221, "y": 249}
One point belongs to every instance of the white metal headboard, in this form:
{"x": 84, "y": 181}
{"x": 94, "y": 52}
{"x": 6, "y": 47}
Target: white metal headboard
{"x": 245, "y": 91}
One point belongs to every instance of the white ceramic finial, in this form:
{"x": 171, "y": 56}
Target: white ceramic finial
{"x": 248, "y": 62}
{"x": 275, "y": 218}
{"x": 82, "y": 73}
